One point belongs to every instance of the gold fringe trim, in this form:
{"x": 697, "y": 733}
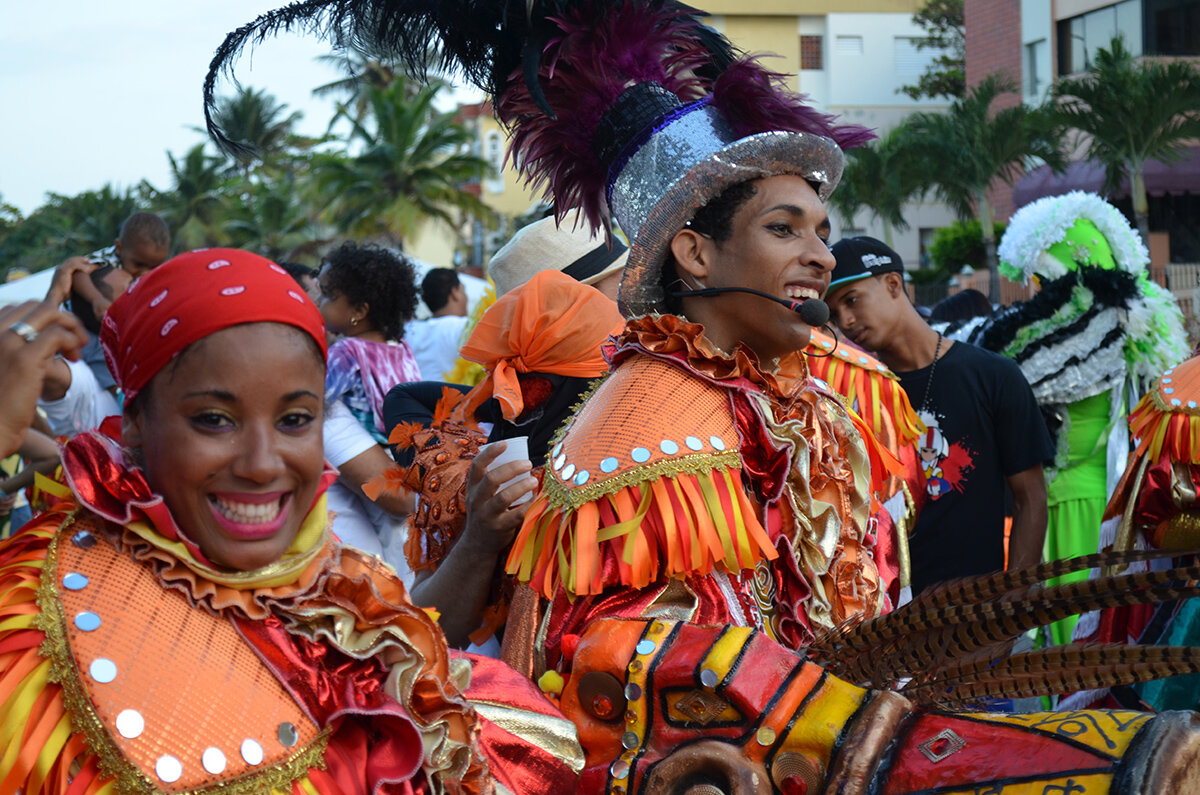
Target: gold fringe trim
{"x": 127, "y": 777}
{"x": 562, "y": 498}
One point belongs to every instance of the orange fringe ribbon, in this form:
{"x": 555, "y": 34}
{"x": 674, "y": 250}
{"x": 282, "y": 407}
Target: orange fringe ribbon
{"x": 1158, "y": 428}
{"x": 668, "y": 526}
{"x": 876, "y": 392}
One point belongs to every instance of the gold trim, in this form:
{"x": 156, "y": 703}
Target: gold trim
{"x": 561, "y": 498}
{"x": 1161, "y": 403}
{"x": 127, "y": 777}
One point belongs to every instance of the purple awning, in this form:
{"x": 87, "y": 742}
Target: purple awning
{"x": 1181, "y": 176}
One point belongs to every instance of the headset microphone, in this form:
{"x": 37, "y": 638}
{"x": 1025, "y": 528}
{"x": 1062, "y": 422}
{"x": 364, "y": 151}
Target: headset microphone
{"x": 813, "y": 311}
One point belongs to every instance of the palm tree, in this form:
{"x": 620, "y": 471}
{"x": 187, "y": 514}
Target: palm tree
{"x": 276, "y": 220}
{"x": 961, "y": 152}
{"x": 1131, "y": 112}
{"x": 259, "y": 123}
{"x": 879, "y": 178}
{"x": 197, "y": 199}
{"x": 403, "y": 164}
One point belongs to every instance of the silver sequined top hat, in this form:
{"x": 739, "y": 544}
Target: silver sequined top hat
{"x": 684, "y": 158}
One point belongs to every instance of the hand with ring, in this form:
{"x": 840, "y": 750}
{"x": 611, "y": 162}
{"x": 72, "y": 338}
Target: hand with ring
{"x": 31, "y": 335}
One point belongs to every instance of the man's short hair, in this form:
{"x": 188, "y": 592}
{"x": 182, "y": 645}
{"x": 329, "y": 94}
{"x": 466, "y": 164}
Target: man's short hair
{"x": 148, "y": 227}
{"x": 437, "y": 286}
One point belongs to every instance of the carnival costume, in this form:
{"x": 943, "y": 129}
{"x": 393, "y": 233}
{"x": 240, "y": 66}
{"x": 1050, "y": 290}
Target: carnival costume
{"x": 693, "y": 475}
{"x": 539, "y": 346}
{"x": 131, "y": 663}
{"x": 874, "y": 393}
{"x": 1089, "y": 343}
{"x": 1155, "y": 507}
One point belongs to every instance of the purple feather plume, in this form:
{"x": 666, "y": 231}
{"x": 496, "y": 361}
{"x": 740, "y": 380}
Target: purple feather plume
{"x": 598, "y": 53}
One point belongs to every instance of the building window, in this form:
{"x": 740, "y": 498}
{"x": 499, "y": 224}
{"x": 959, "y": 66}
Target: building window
{"x": 1033, "y": 83}
{"x": 493, "y": 153}
{"x": 812, "y": 52}
{"x": 911, "y": 60}
{"x": 1080, "y": 37}
{"x": 850, "y": 45}
{"x": 1172, "y": 27}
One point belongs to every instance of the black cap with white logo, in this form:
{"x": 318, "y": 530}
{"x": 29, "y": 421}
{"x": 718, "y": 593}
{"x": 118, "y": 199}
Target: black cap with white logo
{"x": 860, "y": 257}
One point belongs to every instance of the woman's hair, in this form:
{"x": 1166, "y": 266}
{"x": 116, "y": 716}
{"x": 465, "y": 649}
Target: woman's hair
{"x": 373, "y": 276}
{"x": 715, "y": 221}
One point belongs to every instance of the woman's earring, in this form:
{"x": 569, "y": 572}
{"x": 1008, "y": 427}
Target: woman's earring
{"x": 353, "y": 321}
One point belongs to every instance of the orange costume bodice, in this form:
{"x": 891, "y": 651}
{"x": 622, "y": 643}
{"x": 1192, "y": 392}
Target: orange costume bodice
{"x": 694, "y": 478}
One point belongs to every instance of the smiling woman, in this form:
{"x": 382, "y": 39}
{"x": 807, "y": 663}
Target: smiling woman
{"x": 204, "y": 628}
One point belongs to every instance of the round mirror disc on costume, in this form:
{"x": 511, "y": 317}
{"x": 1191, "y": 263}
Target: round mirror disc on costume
{"x": 168, "y": 769}
{"x": 87, "y": 622}
{"x": 75, "y": 581}
{"x": 288, "y": 735}
{"x": 213, "y": 760}
{"x": 103, "y": 670}
{"x": 252, "y": 752}
{"x": 130, "y": 723}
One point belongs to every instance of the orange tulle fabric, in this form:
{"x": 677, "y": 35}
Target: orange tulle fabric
{"x": 550, "y": 324}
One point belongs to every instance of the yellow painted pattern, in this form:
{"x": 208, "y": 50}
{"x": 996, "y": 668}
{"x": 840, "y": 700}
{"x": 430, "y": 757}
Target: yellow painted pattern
{"x": 1097, "y": 784}
{"x": 722, "y": 654}
{"x": 824, "y": 717}
{"x": 1106, "y": 731}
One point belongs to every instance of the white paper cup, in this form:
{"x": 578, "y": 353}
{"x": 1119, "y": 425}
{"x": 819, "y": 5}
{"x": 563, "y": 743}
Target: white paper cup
{"x": 517, "y": 449}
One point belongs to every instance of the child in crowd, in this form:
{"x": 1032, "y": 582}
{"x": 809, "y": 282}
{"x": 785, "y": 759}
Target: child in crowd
{"x": 367, "y": 295}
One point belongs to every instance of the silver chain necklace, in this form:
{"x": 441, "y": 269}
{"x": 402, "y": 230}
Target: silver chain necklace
{"x": 932, "y": 368}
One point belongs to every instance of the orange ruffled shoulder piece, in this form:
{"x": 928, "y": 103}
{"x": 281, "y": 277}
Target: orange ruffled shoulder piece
{"x": 1167, "y": 418}
{"x": 648, "y": 473}
{"x": 867, "y": 385}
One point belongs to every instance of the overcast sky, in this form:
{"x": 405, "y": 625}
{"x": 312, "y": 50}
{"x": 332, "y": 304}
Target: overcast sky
{"x": 95, "y": 92}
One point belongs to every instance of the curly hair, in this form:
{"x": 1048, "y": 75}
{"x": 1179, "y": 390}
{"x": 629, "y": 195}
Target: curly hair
{"x": 382, "y": 280}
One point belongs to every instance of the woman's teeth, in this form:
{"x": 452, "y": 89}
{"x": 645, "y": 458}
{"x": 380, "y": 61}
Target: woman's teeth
{"x": 794, "y": 292}
{"x": 248, "y": 513}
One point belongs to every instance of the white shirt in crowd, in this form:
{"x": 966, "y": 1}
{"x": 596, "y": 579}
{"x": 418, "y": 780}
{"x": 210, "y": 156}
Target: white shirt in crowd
{"x": 83, "y": 407}
{"x": 434, "y": 342}
{"x": 357, "y": 521}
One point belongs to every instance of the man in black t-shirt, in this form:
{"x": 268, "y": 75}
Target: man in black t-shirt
{"x": 984, "y": 433}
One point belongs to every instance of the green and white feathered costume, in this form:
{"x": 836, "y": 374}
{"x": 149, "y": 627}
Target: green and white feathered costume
{"x": 1092, "y": 339}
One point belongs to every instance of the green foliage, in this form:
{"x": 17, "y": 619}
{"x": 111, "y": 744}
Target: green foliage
{"x": 405, "y": 164}
{"x": 960, "y": 244}
{"x": 962, "y": 151}
{"x": 880, "y": 177}
{"x": 66, "y": 226}
{"x": 1128, "y": 112}
{"x": 943, "y": 23}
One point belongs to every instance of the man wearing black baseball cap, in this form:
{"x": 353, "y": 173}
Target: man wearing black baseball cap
{"x": 984, "y": 431}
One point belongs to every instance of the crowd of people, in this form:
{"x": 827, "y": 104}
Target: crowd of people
{"x": 722, "y": 512}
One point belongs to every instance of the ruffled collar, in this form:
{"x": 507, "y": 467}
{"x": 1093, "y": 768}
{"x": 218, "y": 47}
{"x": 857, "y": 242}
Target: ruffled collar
{"x": 95, "y": 470}
{"x": 674, "y": 337}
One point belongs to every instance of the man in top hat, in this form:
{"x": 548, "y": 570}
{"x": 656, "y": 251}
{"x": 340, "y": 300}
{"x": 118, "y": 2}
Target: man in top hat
{"x": 984, "y": 436}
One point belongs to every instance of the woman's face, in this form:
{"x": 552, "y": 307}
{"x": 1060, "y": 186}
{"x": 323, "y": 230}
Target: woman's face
{"x": 779, "y": 245}
{"x": 230, "y": 435}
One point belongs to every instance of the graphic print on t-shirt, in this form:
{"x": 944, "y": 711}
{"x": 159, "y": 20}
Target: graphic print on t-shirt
{"x": 946, "y": 462}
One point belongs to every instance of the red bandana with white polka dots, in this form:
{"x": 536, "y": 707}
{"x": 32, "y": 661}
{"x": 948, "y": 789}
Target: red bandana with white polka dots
{"x": 192, "y": 296}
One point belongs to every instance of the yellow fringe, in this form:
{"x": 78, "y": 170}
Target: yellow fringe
{"x": 703, "y": 520}
{"x": 1159, "y": 427}
{"x": 877, "y": 392}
